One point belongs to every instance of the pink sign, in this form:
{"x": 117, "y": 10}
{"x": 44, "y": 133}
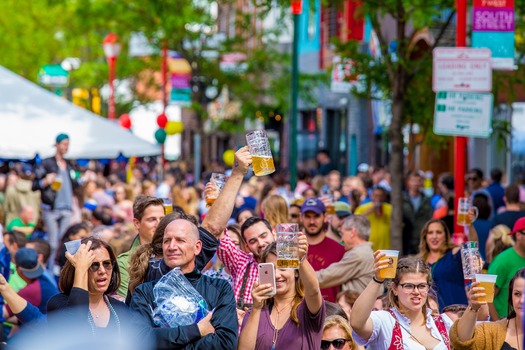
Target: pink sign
{"x": 493, "y": 20}
{"x": 494, "y": 3}
{"x": 180, "y": 81}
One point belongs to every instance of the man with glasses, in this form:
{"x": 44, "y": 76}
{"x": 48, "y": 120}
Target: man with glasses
{"x": 475, "y": 187}
{"x": 294, "y": 212}
{"x": 342, "y": 211}
{"x": 356, "y": 269}
{"x": 505, "y": 265}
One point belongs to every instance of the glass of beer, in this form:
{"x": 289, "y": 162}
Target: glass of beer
{"x": 327, "y": 197}
{"x": 464, "y": 206}
{"x": 470, "y": 259}
{"x": 168, "y": 205}
{"x": 287, "y": 246}
{"x": 262, "y": 160}
{"x": 390, "y": 271}
{"x": 218, "y": 180}
{"x": 488, "y": 282}
{"x": 57, "y": 183}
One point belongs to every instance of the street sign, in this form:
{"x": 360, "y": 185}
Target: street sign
{"x": 461, "y": 69}
{"x": 53, "y": 75}
{"x": 463, "y": 114}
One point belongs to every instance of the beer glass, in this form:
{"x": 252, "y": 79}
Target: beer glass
{"x": 262, "y": 160}
{"x": 287, "y": 246}
{"x": 488, "y": 282}
{"x": 464, "y": 206}
{"x": 327, "y": 196}
{"x": 168, "y": 205}
{"x": 219, "y": 180}
{"x": 390, "y": 271}
{"x": 470, "y": 259}
{"x": 57, "y": 183}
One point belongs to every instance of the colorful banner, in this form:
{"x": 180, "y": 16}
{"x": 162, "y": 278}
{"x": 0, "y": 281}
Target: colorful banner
{"x": 493, "y": 28}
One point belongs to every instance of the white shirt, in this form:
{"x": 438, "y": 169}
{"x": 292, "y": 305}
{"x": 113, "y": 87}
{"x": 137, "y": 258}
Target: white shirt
{"x": 384, "y": 327}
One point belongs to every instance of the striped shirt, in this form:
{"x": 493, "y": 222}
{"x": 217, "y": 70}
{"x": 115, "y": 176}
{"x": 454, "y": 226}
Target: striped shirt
{"x": 237, "y": 262}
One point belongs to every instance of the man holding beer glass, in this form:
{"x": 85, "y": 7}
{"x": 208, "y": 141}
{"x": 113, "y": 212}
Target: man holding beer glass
{"x": 54, "y": 178}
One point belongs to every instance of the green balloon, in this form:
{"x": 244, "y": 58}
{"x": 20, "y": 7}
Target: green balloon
{"x": 160, "y": 136}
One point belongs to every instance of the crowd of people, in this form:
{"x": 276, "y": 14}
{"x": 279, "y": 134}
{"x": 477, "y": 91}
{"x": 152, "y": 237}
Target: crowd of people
{"x": 132, "y": 244}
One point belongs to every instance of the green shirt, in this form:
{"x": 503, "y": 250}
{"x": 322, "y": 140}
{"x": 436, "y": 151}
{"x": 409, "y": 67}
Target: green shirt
{"x": 123, "y": 261}
{"x": 505, "y": 265}
{"x": 17, "y": 222}
{"x": 15, "y": 281}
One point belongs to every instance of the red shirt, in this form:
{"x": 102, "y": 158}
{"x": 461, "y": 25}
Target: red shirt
{"x": 322, "y": 255}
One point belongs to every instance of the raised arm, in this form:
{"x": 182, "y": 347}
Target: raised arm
{"x": 360, "y": 318}
{"x": 221, "y": 210}
{"x": 312, "y": 291}
{"x": 467, "y": 322}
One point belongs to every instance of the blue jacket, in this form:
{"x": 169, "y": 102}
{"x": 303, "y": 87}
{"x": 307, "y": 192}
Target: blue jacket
{"x": 219, "y": 296}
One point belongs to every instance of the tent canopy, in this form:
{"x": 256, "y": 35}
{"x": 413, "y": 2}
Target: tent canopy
{"x": 31, "y": 117}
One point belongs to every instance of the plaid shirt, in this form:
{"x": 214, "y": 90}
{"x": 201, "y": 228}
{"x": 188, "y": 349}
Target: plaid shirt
{"x": 237, "y": 261}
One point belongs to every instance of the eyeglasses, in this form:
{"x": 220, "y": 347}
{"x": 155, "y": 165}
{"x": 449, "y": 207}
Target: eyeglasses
{"x": 337, "y": 343}
{"x": 410, "y": 287}
{"x": 108, "y": 265}
{"x": 295, "y": 216}
{"x": 472, "y": 178}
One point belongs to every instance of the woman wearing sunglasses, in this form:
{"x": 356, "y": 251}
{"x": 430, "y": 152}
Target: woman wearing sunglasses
{"x": 86, "y": 281}
{"x": 410, "y": 322}
{"x": 337, "y": 334}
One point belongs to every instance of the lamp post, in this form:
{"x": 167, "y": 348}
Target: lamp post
{"x": 297, "y": 9}
{"x": 111, "y": 51}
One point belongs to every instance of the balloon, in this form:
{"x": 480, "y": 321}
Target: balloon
{"x": 162, "y": 120}
{"x": 173, "y": 128}
{"x": 125, "y": 121}
{"x": 228, "y": 157}
{"x": 160, "y": 136}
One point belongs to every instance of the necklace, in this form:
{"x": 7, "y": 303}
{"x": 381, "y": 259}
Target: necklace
{"x": 275, "y": 330}
{"x": 113, "y": 313}
{"x": 414, "y": 337}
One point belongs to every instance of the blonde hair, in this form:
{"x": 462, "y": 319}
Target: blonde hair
{"x": 275, "y": 209}
{"x": 500, "y": 241}
{"x": 338, "y": 321}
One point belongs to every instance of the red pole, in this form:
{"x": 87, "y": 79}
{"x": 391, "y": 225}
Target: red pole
{"x": 460, "y": 144}
{"x": 164, "y": 91}
{"x": 111, "y": 106}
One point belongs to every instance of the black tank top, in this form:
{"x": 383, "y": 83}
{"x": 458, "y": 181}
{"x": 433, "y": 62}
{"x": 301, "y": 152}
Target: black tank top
{"x": 506, "y": 346}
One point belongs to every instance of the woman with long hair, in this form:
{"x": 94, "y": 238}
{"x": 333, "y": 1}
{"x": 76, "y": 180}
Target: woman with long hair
{"x": 293, "y": 318}
{"x": 499, "y": 240}
{"x": 275, "y": 209}
{"x": 409, "y": 323}
{"x": 123, "y": 208}
{"x": 505, "y": 334}
{"x": 444, "y": 258}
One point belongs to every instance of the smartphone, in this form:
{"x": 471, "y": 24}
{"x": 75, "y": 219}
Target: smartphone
{"x": 267, "y": 276}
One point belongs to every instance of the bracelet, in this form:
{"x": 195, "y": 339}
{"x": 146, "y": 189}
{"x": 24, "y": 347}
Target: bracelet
{"x": 302, "y": 259}
{"x": 472, "y": 309}
{"x": 377, "y": 281}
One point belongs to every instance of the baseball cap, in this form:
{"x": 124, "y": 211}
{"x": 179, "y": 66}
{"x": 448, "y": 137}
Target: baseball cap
{"x": 27, "y": 260}
{"x": 363, "y": 168}
{"x": 342, "y": 209}
{"x": 518, "y": 226}
{"x": 26, "y": 169}
{"x": 313, "y": 204}
{"x": 61, "y": 137}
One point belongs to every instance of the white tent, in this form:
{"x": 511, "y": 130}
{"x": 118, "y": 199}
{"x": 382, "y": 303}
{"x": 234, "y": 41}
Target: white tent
{"x": 31, "y": 117}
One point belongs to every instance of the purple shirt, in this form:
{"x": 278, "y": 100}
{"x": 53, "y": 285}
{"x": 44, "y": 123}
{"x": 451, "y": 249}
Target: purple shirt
{"x": 307, "y": 336}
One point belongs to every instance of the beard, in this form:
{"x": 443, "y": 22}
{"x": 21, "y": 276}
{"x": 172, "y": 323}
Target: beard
{"x": 309, "y": 231}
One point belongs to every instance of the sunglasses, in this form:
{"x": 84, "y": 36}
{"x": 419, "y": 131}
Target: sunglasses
{"x": 472, "y": 178}
{"x": 108, "y": 265}
{"x": 338, "y": 343}
{"x": 295, "y": 216}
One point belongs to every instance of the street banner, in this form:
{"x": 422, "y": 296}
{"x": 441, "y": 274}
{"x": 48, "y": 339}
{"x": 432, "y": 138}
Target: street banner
{"x": 493, "y": 25}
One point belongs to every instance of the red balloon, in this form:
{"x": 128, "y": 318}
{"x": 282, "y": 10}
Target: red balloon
{"x": 125, "y": 121}
{"x": 162, "y": 120}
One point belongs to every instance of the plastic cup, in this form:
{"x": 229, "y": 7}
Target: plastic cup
{"x": 287, "y": 246}
{"x": 72, "y": 246}
{"x": 390, "y": 271}
{"x": 488, "y": 282}
{"x": 262, "y": 160}
{"x": 57, "y": 183}
{"x": 168, "y": 205}
{"x": 219, "y": 180}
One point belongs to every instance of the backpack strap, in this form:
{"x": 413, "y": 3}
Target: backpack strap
{"x": 440, "y": 324}
{"x": 397, "y": 336}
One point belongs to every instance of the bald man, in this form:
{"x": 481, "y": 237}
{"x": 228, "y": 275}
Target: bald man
{"x": 218, "y": 330}
{"x": 24, "y": 222}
